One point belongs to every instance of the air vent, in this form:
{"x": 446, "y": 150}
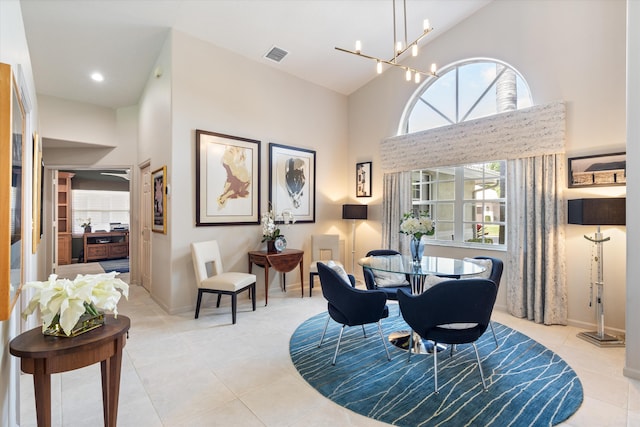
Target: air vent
{"x": 276, "y": 54}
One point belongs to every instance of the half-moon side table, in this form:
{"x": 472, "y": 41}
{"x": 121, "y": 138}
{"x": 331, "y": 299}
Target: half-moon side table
{"x": 42, "y": 355}
{"x": 282, "y": 262}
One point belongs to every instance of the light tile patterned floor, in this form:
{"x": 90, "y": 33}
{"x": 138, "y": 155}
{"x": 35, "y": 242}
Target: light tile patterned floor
{"x": 178, "y": 371}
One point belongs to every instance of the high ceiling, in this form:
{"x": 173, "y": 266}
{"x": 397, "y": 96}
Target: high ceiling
{"x": 69, "y": 39}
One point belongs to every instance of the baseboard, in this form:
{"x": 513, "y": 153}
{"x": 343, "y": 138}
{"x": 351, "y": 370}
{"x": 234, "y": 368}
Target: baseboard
{"x": 631, "y": 373}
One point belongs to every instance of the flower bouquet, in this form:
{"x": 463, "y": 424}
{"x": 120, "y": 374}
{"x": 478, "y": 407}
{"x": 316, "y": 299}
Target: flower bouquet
{"x": 69, "y": 308}
{"x": 416, "y": 226}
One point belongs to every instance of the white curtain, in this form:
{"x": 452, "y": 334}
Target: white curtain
{"x": 396, "y": 201}
{"x": 535, "y": 279}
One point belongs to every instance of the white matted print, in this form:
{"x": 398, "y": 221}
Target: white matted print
{"x": 292, "y": 181}
{"x": 227, "y": 179}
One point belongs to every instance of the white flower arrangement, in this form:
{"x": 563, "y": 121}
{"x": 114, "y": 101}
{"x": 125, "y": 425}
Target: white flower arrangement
{"x": 86, "y": 223}
{"x": 270, "y": 231}
{"x": 71, "y": 299}
{"x": 417, "y": 225}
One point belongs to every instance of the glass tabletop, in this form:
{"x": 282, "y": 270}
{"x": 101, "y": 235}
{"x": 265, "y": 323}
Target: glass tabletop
{"x": 429, "y": 265}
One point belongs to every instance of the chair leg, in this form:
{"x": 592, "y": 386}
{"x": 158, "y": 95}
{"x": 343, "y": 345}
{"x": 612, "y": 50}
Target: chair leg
{"x": 364, "y": 332}
{"x": 324, "y": 331}
{"x": 234, "y": 305}
{"x": 484, "y": 385}
{"x": 384, "y": 343}
{"x": 218, "y": 303}
{"x": 494, "y": 333}
{"x": 410, "y": 348}
{"x": 252, "y": 292}
{"x": 435, "y": 366}
{"x": 310, "y": 284}
{"x": 338, "y": 345}
{"x": 198, "y": 303}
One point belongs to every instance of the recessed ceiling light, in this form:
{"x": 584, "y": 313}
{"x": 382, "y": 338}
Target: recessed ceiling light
{"x": 97, "y": 77}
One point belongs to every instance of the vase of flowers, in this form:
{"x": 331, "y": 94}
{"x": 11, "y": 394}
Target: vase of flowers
{"x": 417, "y": 225}
{"x": 69, "y": 308}
{"x": 86, "y": 225}
{"x": 270, "y": 231}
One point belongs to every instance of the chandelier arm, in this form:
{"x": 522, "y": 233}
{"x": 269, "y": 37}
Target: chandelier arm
{"x": 388, "y": 62}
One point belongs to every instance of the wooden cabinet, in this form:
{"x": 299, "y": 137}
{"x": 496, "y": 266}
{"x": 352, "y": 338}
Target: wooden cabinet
{"x": 64, "y": 217}
{"x": 106, "y": 245}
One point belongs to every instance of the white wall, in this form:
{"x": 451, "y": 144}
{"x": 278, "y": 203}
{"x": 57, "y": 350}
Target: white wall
{"x": 215, "y": 90}
{"x": 570, "y": 50}
{"x": 632, "y": 363}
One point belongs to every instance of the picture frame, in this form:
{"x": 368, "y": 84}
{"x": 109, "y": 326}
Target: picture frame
{"x": 600, "y": 170}
{"x": 227, "y": 179}
{"x": 12, "y": 146}
{"x": 363, "y": 179}
{"x": 37, "y": 191}
{"x": 292, "y": 182}
{"x": 159, "y": 185}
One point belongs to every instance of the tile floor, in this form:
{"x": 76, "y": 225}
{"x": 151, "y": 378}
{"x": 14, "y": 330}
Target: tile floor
{"x": 178, "y": 371}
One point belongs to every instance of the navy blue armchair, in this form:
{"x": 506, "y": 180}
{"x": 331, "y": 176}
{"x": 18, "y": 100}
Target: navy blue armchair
{"x": 495, "y": 276}
{"x": 450, "y": 312}
{"x": 370, "y": 281}
{"x": 350, "y": 306}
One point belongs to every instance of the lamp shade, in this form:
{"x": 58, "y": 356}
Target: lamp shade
{"x": 354, "y": 211}
{"x": 609, "y": 211}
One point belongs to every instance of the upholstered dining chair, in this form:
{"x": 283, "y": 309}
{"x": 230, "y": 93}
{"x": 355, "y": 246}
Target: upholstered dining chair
{"x": 451, "y": 312}
{"x": 389, "y": 283}
{"x": 324, "y": 248}
{"x": 350, "y": 306}
{"x": 495, "y": 274}
{"x": 211, "y": 277}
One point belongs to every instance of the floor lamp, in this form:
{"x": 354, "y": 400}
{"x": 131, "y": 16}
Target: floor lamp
{"x": 354, "y": 212}
{"x": 598, "y": 212}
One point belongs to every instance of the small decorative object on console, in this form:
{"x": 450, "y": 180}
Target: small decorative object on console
{"x": 280, "y": 243}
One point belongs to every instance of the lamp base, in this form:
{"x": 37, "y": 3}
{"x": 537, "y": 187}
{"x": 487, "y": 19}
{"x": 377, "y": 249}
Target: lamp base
{"x": 601, "y": 341}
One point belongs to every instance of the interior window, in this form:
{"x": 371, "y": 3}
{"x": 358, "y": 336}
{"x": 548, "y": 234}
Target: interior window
{"x": 102, "y": 207}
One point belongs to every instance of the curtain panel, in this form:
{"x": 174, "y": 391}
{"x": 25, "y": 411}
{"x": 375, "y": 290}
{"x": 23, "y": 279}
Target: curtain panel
{"x": 396, "y": 201}
{"x": 536, "y": 271}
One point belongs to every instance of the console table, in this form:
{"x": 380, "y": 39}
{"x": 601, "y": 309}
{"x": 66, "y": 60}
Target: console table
{"x": 283, "y": 262}
{"x": 42, "y": 355}
{"x": 106, "y": 245}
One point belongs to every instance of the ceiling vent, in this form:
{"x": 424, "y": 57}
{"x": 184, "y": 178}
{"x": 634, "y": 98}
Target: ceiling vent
{"x": 276, "y": 54}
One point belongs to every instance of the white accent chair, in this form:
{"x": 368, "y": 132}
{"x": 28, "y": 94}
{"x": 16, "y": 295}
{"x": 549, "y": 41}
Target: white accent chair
{"x": 212, "y": 278}
{"x": 324, "y": 248}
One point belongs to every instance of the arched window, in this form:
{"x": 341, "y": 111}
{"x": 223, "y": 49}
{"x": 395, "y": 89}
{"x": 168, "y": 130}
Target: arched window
{"x": 468, "y": 202}
{"x": 464, "y": 91}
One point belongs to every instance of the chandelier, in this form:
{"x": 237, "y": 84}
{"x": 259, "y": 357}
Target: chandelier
{"x": 399, "y": 49}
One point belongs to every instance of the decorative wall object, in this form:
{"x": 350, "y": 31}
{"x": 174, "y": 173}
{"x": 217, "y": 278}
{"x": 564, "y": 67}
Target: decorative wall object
{"x": 292, "y": 181}
{"x": 159, "y": 183}
{"x": 598, "y": 171}
{"x": 227, "y": 179}
{"x": 363, "y": 179}
{"x": 12, "y": 128}
{"x": 37, "y": 191}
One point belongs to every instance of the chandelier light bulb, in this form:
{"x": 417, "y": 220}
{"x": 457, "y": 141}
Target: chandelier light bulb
{"x": 414, "y": 49}
{"x": 358, "y": 46}
{"x": 433, "y": 68}
{"x": 417, "y": 77}
{"x": 426, "y": 25}
{"x": 399, "y": 47}
{"x": 379, "y": 67}
{"x": 408, "y": 75}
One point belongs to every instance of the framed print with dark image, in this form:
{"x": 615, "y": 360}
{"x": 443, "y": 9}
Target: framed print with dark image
{"x": 363, "y": 179}
{"x": 292, "y": 182}
{"x": 227, "y": 179}
{"x": 601, "y": 170}
{"x": 159, "y": 181}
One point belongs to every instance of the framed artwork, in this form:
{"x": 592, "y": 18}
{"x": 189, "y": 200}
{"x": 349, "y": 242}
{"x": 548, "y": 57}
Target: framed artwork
{"x": 159, "y": 181}
{"x": 363, "y": 179}
{"x": 12, "y": 129}
{"x": 601, "y": 170}
{"x": 227, "y": 179}
{"x": 292, "y": 182}
{"x": 37, "y": 191}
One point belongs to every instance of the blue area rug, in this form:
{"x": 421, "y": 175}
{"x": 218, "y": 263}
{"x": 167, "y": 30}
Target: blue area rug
{"x": 119, "y": 265}
{"x": 528, "y": 384}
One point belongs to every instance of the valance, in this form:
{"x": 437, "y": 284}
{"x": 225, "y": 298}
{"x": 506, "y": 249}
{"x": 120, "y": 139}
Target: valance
{"x": 515, "y": 134}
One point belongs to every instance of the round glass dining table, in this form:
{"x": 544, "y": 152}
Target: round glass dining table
{"x": 417, "y": 273}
